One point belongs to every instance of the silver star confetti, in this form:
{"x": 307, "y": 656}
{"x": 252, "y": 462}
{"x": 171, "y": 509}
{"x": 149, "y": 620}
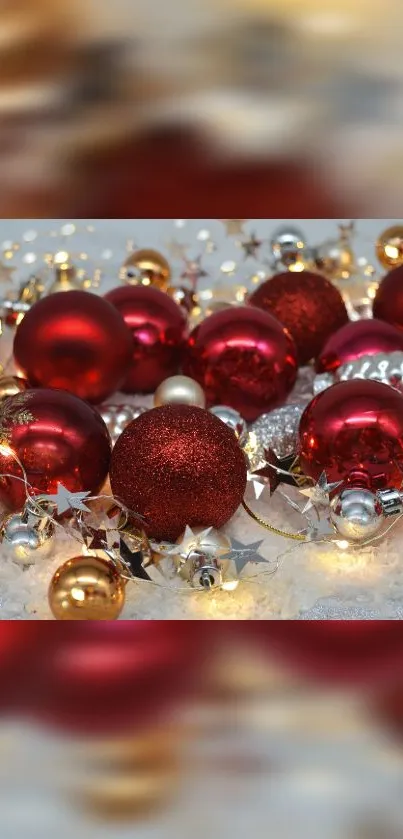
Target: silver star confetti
{"x": 319, "y": 495}
{"x": 194, "y": 272}
{"x": 176, "y": 249}
{"x": 190, "y": 542}
{"x": 251, "y": 246}
{"x": 6, "y": 272}
{"x": 66, "y": 500}
{"x": 242, "y": 554}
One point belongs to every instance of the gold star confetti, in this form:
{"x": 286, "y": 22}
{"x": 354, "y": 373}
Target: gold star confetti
{"x": 176, "y": 249}
{"x": 6, "y": 272}
{"x": 234, "y": 226}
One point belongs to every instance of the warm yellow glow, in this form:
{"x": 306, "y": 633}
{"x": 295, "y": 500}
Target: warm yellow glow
{"x": 6, "y": 450}
{"x": 392, "y": 251}
{"x": 296, "y": 267}
{"x": 78, "y": 594}
{"x": 343, "y": 545}
{"x": 8, "y": 254}
{"x": 20, "y": 317}
{"x": 230, "y": 585}
{"x": 61, "y": 257}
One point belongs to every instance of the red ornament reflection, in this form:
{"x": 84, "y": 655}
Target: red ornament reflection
{"x": 57, "y": 438}
{"x": 388, "y": 302}
{"x": 243, "y": 358}
{"x": 158, "y": 327}
{"x": 354, "y": 432}
{"x": 358, "y": 339}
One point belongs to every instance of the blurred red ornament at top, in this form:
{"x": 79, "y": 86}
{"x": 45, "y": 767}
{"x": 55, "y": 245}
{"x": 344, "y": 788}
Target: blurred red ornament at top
{"x": 354, "y": 432}
{"x": 307, "y": 304}
{"x": 57, "y": 438}
{"x": 243, "y": 358}
{"x": 158, "y": 328}
{"x": 358, "y": 339}
{"x": 74, "y": 341}
{"x": 388, "y": 302}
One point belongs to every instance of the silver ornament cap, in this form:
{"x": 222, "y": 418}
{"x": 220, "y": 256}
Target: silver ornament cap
{"x": 357, "y": 515}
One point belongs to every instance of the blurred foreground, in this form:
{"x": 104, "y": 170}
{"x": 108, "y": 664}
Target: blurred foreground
{"x": 254, "y": 741}
{"x": 185, "y": 109}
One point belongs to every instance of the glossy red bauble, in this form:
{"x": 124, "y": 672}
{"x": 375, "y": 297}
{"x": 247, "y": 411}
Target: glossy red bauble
{"x": 177, "y": 466}
{"x": 307, "y": 304}
{"x": 388, "y": 302}
{"x": 243, "y": 358}
{"x": 358, "y": 339}
{"x": 74, "y": 341}
{"x": 354, "y": 432}
{"x": 57, "y": 438}
{"x": 158, "y": 327}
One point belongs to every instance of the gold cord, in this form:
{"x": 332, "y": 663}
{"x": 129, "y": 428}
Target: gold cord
{"x": 298, "y": 537}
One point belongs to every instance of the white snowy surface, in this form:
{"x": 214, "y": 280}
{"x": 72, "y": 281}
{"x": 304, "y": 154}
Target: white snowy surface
{"x": 314, "y": 581}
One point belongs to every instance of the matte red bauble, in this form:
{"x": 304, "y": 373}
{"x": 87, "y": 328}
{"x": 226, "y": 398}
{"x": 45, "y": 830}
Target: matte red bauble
{"x": 158, "y": 327}
{"x": 57, "y": 438}
{"x": 243, "y": 358}
{"x": 388, "y": 302}
{"x": 75, "y": 341}
{"x": 177, "y": 466}
{"x": 354, "y": 432}
{"x": 358, "y": 339}
{"x": 307, "y": 304}
{"x": 115, "y": 676}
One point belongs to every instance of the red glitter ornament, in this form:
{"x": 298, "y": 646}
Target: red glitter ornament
{"x": 358, "y": 339}
{"x": 307, "y": 304}
{"x": 354, "y": 432}
{"x": 243, "y": 358}
{"x": 388, "y": 302}
{"x": 177, "y": 466}
{"x": 158, "y": 327}
{"x": 57, "y": 438}
{"x": 74, "y": 341}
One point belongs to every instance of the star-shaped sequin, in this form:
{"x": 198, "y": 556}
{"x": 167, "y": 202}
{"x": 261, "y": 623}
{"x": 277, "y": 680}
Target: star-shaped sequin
{"x": 190, "y": 542}
{"x": 319, "y": 495}
{"x": 6, "y": 272}
{"x": 242, "y": 554}
{"x": 194, "y": 272}
{"x": 176, "y": 249}
{"x": 66, "y": 500}
{"x": 134, "y": 561}
{"x": 234, "y": 226}
{"x": 250, "y": 246}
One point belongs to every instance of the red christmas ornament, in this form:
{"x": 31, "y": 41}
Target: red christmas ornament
{"x": 158, "y": 327}
{"x": 354, "y": 432}
{"x": 243, "y": 358}
{"x": 356, "y": 652}
{"x": 74, "y": 341}
{"x": 57, "y": 438}
{"x": 307, "y": 304}
{"x": 358, "y": 339}
{"x": 177, "y": 466}
{"x": 388, "y": 302}
{"x": 110, "y": 677}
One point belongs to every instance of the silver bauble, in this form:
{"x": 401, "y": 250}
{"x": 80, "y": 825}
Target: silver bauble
{"x": 26, "y": 541}
{"x": 356, "y": 515}
{"x": 286, "y": 240}
{"x": 117, "y": 417}
{"x": 232, "y": 419}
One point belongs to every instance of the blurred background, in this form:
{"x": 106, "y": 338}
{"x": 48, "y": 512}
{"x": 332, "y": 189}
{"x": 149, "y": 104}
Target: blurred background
{"x": 162, "y": 732}
{"x": 110, "y": 109}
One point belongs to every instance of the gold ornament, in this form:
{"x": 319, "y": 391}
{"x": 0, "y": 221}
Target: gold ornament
{"x": 65, "y": 279}
{"x": 336, "y": 257}
{"x": 11, "y": 385}
{"x": 389, "y": 247}
{"x": 87, "y": 588}
{"x": 179, "y": 390}
{"x": 146, "y": 267}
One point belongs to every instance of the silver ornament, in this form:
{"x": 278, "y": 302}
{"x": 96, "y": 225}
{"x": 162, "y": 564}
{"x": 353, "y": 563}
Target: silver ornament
{"x": 25, "y": 539}
{"x": 205, "y": 571}
{"x": 207, "y": 542}
{"x": 287, "y": 242}
{"x": 380, "y": 367}
{"x": 357, "y": 515}
{"x": 391, "y": 501}
{"x": 232, "y": 419}
{"x": 117, "y": 417}
{"x": 278, "y": 429}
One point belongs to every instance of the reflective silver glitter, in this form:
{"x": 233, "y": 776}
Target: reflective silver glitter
{"x": 381, "y": 367}
{"x": 117, "y": 417}
{"x": 278, "y": 430}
